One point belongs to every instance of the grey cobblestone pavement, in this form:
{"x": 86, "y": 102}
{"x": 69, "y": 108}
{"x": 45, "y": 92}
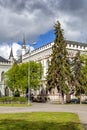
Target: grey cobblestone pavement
{"x": 81, "y": 110}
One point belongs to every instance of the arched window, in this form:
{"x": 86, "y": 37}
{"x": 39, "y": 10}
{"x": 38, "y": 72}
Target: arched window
{"x": 6, "y": 91}
{"x": 2, "y": 76}
{"x": 0, "y": 93}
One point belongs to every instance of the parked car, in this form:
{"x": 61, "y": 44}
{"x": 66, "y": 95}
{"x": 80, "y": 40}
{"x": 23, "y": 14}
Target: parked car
{"x": 39, "y": 98}
{"x": 74, "y": 100}
{"x": 84, "y": 102}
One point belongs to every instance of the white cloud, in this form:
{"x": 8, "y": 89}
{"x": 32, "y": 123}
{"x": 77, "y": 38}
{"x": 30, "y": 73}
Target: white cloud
{"x": 35, "y": 17}
{"x": 16, "y": 48}
{"x": 73, "y": 34}
{"x": 5, "y": 50}
{"x": 29, "y": 48}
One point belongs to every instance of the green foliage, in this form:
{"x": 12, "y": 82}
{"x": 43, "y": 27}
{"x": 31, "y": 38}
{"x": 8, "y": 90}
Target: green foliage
{"x": 78, "y": 75}
{"x": 84, "y": 71}
{"x": 13, "y": 100}
{"x": 12, "y": 76}
{"x": 17, "y": 93}
{"x": 59, "y": 74}
{"x": 17, "y": 77}
{"x": 35, "y": 74}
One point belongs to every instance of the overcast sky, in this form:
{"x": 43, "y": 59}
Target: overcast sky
{"x": 35, "y": 17}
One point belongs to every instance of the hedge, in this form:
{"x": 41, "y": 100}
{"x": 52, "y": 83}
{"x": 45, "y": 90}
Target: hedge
{"x": 13, "y": 100}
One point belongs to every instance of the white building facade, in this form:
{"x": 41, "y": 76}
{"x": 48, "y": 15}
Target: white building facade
{"x": 5, "y": 65}
{"x": 43, "y": 55}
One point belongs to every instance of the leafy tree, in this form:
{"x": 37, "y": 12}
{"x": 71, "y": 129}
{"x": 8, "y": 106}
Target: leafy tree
{"x": 11, "y": 77}
{"x": 78, "y": 74}
{"x": 17, "y": 77}
{"x": 22, "y": 79}
{"x": 84, "y": 71}
{"x": 59, "y": 68}
{"x": 35, "y": 74}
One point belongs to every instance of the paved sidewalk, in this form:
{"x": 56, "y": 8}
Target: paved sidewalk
{"x": 81, "y": 110}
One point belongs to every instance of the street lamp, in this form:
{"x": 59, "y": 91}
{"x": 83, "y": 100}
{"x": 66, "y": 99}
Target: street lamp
{"x": 29, "y": 75}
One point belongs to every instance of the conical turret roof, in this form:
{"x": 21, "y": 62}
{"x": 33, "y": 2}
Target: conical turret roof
{"x": 11, "y": 53}
{"x": 24, "y": 43}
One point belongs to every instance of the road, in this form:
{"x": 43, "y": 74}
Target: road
{"x": 81, "y": 110}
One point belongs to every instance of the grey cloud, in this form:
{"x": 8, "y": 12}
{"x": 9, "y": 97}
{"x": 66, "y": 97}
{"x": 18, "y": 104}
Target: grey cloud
{"x": 34, "y": 17}
{"x": 46, "y": 6}
{"x": 13, "y": 4}
{"x": 74, "y": 8}
{"x": 72, "y": 5}
{"x": 25, "y": 5}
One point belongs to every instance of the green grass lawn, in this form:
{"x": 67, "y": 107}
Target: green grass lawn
{"x": 40, "y": 121}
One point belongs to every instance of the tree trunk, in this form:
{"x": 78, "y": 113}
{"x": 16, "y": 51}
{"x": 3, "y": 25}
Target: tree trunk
{"x": 80, "y": 99}
{"x": 62, "y": 99}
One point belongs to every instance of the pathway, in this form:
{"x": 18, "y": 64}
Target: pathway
{"x": 81, "y": 110}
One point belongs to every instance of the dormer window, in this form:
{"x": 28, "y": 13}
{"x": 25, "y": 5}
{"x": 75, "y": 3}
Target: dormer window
{"x": 69, "y": 45}
{"x": 73, "y": 45}
{"x": 77, "y": 46}
{"x": 81, "y": 47}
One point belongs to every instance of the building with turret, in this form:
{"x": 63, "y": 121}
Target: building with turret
{"x": 11, "y": 57}
{"x": 5, "y": 65}
{"x": 43, "y": 55}
{"x": 24, "y": 47}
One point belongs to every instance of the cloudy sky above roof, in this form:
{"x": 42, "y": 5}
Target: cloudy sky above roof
{"x": 35, "y": 17}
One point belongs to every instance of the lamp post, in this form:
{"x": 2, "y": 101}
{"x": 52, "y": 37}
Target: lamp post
{"x": 29, "y": 75}
{"x": 29, "y": 78}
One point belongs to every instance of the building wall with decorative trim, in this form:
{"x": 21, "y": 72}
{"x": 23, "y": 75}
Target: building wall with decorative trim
{"x": 5, "y": 65}
{"x": 43, "y": 54}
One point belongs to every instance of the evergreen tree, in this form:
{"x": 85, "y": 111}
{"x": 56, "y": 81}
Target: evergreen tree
{"x": 59, "y": 68}
{"x": 84, "y": 71}
{"x": 78, "y": 75}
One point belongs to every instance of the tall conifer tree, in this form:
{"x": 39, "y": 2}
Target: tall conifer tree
{"x": 59, "y": 68}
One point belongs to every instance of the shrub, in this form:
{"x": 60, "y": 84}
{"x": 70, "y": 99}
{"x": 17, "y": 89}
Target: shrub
{"x": 17, "y": 93}
{"x": 13, "y": 100}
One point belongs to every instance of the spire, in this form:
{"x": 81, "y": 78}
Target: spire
{"x": 11, "y": 53}
{"x": 23, "y": 46}
{"x": 11, "y": 57}
{"x": 24, "y": 43}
